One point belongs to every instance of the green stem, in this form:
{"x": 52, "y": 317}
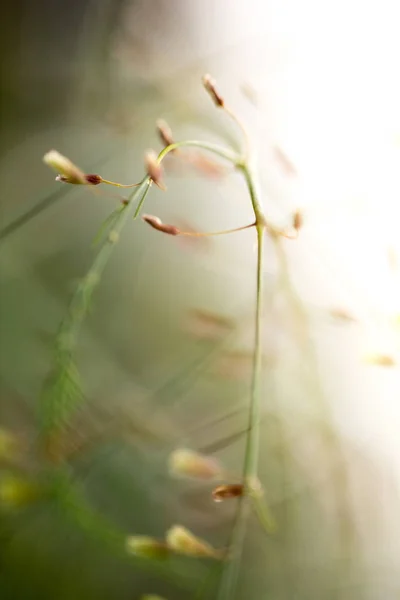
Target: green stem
{"x": 214, "y": 148}
{"x": 63, "y": 391}
{"x": 250, "y": 467}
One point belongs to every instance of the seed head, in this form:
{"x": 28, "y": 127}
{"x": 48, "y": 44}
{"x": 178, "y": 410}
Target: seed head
{"x": 183, "y": 541}
{"x": 187, "y": 463}
{"x": 68, "y": 172}
{"x": 297, "y": 220}
{"x": 156, "y": 223}
{"x": 210, "y": 86}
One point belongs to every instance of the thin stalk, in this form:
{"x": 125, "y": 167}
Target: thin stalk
{"x": 212, "y": 233}
{"x": 250, "y": 468}
{"x": 62, "y": 393}
{"x": 214, "y": 148}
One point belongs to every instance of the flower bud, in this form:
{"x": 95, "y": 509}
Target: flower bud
{"x": 146, "y": 547}
{"x": 156, "y": 223}
{"x": 154, "y": 169}
{"x": 181, "y": 540}
{"x": 68, "y": 172}
{"x": 164, "y": 132}
{"x": 151, "y": 597}
{"x": 187, "y": 463}
{"x": 297, "y": 220}
{"x": 225, "y": 492}
{"x": 209, "y": 85}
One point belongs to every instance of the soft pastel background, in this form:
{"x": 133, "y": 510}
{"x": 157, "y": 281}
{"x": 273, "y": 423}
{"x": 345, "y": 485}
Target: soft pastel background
{"x": 319, "y": 81}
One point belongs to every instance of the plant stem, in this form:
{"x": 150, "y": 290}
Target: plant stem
{"x": 250, "y": 467}
{"x": 214, "y": 148}
{"x": 63, "y": 391}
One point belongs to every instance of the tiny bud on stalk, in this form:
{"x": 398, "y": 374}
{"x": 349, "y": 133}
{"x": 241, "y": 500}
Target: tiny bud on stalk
{"x": 146, "y": 547}
{"x": 210, "y": 86}
{"x": 183, "y": 541}
{"x": 156, "y": 223}
{"x": 154, "y": 169}
{"x": 165, "y": 133}
{"x": 225, "y": 492}
{"x": 186, "y": 463}
{"x": 298, "y": 220}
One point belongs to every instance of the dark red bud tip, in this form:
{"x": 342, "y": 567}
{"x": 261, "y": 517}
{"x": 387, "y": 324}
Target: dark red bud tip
{"x": 93, "y": 179}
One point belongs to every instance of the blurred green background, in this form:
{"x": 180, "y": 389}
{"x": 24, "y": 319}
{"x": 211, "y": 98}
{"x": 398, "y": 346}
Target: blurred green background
{"x": 90, "y": 79}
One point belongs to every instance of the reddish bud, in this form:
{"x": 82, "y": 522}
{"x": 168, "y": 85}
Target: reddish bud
{"x": 154, "y": 169}
{"x": 225, "y": 492}
{"x": 298, "y": 220}
{"x": 93, "y": 179}
{"x": 210, "y": 86}
{"x": 156, "y": 223}
{"x": 164, "y": 132}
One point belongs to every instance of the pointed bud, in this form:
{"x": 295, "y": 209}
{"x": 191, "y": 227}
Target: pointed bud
{"x": 146, "y": 547}
{"x": 225, "y": 492}
{"x": 187, "y": 463}
{"x": 181, "y": 540}
{"x": 154, "y": 169}
{"x": 298, "y": 220}
{"x": 156, "y": 223}
{"x": 68, "y": 172}
{"x": 16, "y": 492}
{"x": 164, "y": 132}
{"x": 151, "y": 597}
{"x": 210, "y": 86}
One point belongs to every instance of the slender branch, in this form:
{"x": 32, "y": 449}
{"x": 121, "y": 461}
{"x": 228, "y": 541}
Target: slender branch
{"x": 250, "y": 468}
{"x": 62, "y": 392}
{"x": 242, "y": 128}
{"x": 207, "y": 233}
{"x": 214, "y": 148}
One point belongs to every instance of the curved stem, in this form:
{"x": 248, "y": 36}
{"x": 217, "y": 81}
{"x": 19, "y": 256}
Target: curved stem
{"x": 214, "y": 148}
{"x": 210, "y": 233}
